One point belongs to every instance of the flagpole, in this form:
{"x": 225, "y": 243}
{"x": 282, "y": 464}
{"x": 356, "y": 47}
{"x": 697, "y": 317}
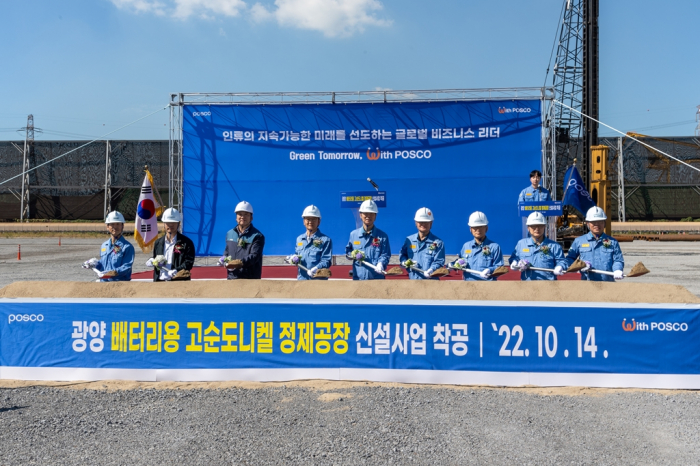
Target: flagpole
{"x": 160, "y": 200}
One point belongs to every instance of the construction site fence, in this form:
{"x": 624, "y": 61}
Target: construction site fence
{"x": 75, "y": 186}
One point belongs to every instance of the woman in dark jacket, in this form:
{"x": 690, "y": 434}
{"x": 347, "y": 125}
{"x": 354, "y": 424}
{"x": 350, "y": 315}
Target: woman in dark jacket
{"x": 177, "y": 248}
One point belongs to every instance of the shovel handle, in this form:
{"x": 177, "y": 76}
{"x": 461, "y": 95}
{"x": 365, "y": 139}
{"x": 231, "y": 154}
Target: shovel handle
{"x": 603, "y": 272}
{"x": 464, "y": 270}
{"x": 539, "y": 269}
{"x": 416, "y": 269}
{"x": 373, "y": 267}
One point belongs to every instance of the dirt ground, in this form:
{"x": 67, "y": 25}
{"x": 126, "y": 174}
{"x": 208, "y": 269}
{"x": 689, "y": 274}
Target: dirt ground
{"x": 379, "y": 289}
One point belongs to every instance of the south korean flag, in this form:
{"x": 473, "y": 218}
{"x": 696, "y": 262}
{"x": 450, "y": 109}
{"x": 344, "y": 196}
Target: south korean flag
{"x": 147, "y": 211}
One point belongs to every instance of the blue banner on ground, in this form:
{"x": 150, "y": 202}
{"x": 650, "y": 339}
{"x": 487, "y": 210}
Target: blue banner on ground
{"x": 452, "y": 157}
{"x": 498, "y": 337}
{"x": 546, "y": 208}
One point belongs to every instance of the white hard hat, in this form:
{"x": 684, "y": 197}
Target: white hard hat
{"x": 243, "y": 206}
{"x": 171, "y": 215}
{"x": 369, "y": 206}
{"x": 594, "y": 214}
{"x": 114, "y": 217}
{"x": 311, "y": 211}
{"x": 478, "y": 219}
{"x": 536, "y": 218}
{"x": 423, "y": 215}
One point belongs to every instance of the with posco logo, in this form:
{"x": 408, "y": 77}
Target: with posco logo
{"x": 636, "y": 326}
{"x": 25, "y": 318}
{"x": 514, "y": 110}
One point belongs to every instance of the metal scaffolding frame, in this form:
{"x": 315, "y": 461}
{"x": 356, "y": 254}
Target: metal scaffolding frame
{"x": 179, "y": 100}
{"x": 568, "y": 84}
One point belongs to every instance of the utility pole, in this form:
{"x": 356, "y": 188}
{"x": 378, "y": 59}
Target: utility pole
{"x": 28, "y": 154}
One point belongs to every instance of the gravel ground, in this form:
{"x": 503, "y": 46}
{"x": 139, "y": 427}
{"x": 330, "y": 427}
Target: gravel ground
{"x": 341, "y": 423}
{"x": 42, "y": 259}
{"x": 356, "y": 425}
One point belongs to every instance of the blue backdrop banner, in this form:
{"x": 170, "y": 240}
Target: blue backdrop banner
{"x": 452, "y": 157}
{"x": 494, "y": 337}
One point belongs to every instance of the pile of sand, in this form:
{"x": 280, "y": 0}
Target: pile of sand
{"x": 573, "y": 291}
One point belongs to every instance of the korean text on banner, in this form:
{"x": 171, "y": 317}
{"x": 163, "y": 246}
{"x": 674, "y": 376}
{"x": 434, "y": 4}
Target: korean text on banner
{"x": 147, "y": 212}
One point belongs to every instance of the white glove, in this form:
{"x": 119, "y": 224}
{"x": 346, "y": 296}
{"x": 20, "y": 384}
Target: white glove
{"x": 587, "y": 267}
{"x": 91, "y": 263}
{"x": 312, "y": 272}
{"x": 524, "y": 264}
{"x": 149, "y": 262}
{"x": 380, "y": 267}
{"x": 172, "y": 273}
{"x": 426, "y": 273}
{"x": 514, "y": 266}
{"x": 99, "y": 274}
{"x": 618, "y": 275}
{"x": 486, "y": 273}
{"x": 559, "y": 270}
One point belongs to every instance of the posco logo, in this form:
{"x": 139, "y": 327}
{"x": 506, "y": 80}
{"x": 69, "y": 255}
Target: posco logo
{"x": 660, "y": 326}
{"x": 25, "y": 318}
{"x": 398, "y": 154}
{"x": 201, "y": 114}
{"x": 514, "y": 110}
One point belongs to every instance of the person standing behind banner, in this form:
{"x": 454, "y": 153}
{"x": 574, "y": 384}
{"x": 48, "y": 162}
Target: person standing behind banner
{"x": 245, "y": 243}
{"x": 537, "y": 251}
{"x": 534, "y": 192}
{"x": 315, "y": 250}
{"x": 598, "y": 250}
{"x": 424, "y": 249}
{"x": 481, "y": 253}
{"x": 177, "y": 249}
{"x": 372, "y": 242}
{"x": 116, "y": 254}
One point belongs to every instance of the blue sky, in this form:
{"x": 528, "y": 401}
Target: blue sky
{"x": 87, "y": 67}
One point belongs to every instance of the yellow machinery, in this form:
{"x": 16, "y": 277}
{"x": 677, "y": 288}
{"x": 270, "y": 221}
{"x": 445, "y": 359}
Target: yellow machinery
{"x": 600, "y": 188}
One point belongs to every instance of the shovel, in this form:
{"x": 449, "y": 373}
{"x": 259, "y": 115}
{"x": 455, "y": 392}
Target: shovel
{"x": 319, "y": 273}
{"x": 391, "y": 271}
{"x": 441, "y": 272}
{"x": 502, "y": 270}
{"x": 575, "y": 267}
{"x": 637, "y": 271}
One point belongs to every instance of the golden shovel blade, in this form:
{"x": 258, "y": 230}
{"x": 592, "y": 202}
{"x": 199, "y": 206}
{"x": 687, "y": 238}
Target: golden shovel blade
{"x": 576, "y": 266}
{"x": 638, "y": 270}
{"x": 502, "y": 270}
{"x": 394, "y": 271}
{"x": 441, "y": 272}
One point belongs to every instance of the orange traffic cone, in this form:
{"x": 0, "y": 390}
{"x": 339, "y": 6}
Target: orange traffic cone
{"x": 19, "y": 253}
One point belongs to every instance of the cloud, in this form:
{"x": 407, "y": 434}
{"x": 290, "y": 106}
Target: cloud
{"x": 141, "y": 6}
{"x": 333, "y": 18}
{"x": 183, "y": 9}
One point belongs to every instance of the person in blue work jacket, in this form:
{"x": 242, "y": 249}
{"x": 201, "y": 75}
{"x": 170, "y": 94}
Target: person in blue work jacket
{"x": 116, "y": 254}
{"x": 244, "y": 243}
{"x": 598, "y": 250}
{"x": 534, "y": 192}
{"x": 425, "y": 250}
{"x": 313, "y": 250}
{"x": 371, "y": 243}
{"x": 480, "y": 254}
{"x": 537, "y": 251}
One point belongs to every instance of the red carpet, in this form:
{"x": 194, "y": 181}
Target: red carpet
{"x": 338, "y": 272}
